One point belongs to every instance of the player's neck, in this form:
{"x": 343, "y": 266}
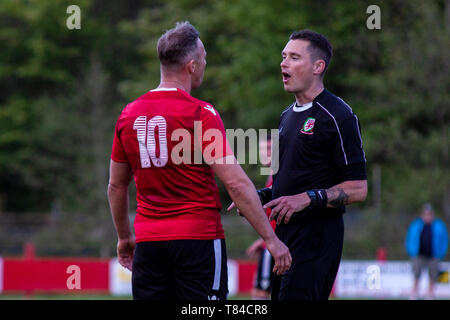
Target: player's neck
{"x": 309, "y": 95}
{"x": 175, "y": 83}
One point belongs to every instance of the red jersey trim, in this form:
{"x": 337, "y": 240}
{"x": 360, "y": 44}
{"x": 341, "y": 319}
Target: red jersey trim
{"x": 118, "y": 160}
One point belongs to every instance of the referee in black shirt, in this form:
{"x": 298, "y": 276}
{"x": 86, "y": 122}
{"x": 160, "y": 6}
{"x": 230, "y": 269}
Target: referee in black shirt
{"x": 322, "y": 168}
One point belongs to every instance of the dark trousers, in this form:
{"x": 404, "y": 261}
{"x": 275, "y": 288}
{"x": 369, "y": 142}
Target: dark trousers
{"x": 316, "y": 249}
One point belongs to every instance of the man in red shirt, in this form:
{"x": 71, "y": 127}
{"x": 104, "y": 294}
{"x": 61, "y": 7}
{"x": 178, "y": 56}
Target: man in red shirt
{"x": 173, "y": 144}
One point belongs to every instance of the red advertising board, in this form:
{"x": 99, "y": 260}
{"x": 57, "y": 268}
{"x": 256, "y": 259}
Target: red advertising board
{"x": 55, "y": 275}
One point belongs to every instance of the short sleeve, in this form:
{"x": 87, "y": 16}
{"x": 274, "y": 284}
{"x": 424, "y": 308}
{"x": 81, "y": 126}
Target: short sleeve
{"x": 348, "y": 145}
{"x": 118, "y": 153}
{"x": 355, "y": 171}
{"x": 214, "y": 141}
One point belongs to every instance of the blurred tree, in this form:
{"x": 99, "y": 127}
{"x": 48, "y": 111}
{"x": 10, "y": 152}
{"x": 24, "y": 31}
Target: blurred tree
{"x": 56, "y": 88}
{"x": 408, "y": 117}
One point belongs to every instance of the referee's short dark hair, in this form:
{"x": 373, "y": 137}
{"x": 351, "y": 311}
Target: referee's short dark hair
{"x": 320, "y": 47}
{"x": 178, "y": 45}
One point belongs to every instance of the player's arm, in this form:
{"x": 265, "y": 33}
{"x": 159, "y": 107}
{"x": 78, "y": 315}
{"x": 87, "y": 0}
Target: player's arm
{"x": 243, "y": 193}
{"x": 120, "y": 175}
{"x": 253, "y": 250}
{"x": 265, "y": 195}
{"x": 239, "y": 187}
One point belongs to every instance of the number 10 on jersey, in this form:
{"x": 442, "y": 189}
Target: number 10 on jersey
{"x": 147, "y": 141}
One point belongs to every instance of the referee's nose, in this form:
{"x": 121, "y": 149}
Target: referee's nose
{"x": 283, "y": 63}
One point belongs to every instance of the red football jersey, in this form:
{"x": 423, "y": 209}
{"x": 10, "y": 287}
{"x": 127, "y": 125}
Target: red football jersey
{"x": 167, "y": 137}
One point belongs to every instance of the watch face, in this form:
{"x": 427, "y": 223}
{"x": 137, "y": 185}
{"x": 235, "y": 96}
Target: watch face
{"x": 312, "y": 195}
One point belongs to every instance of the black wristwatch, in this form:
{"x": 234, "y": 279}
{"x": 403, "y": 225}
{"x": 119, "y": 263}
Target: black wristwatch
{"x": 319, "y": 198}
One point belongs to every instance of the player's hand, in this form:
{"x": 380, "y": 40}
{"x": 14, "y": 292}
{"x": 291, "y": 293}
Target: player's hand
{"x": 284, "y": 207}
{"x": 232, "y": 206}
{"x": 280, "y": 254}
{"x": 254, "y": 248}
{"x": 125, "y": 252}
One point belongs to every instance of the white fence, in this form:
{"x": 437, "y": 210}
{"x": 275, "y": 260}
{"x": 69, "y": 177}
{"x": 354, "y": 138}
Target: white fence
{"x": 374, "y": 279}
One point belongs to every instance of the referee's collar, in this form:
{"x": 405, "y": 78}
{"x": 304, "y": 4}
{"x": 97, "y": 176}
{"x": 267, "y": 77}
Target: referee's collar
{"x": 299, "y": 108}
{"x": 321, "y": 95}
{"x": 302, "y": 107}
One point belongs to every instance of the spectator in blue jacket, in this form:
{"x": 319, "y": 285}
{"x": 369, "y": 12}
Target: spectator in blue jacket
{"x": 426, "y": 244}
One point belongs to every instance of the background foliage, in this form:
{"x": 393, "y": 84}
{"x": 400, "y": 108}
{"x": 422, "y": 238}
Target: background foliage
{"x": 61, "y": 91}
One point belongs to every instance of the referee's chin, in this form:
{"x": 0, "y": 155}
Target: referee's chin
{"x": 289, "y": 90}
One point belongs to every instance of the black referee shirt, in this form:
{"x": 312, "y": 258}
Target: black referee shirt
{"x": 319, "y": 147}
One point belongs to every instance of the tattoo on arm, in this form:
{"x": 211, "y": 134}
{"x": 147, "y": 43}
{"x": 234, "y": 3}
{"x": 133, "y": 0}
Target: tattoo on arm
{"x": 337, "y": 197}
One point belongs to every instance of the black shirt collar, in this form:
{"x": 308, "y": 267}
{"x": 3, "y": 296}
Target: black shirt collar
{"x": 321, "y": 95}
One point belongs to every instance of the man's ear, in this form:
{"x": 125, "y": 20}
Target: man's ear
{"x": 191, "y": 65}
{"x": 319, "y": 66}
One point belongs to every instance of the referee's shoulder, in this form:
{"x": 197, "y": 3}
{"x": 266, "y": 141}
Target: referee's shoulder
{"x": 287, "y": 109}
{"x": 334, "y": 107}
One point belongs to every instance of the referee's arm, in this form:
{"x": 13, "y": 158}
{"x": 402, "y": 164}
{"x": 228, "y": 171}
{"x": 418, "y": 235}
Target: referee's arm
{"x": 352, "y": 189}
{"x": 337, "y": 196}
{"x": 346, "y": 193}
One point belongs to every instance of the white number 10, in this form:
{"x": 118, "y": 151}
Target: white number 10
{"x": 146, "y": 131}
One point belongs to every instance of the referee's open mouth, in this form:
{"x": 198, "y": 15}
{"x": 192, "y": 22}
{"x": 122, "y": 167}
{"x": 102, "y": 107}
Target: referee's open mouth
{"x": 286, "y": 76}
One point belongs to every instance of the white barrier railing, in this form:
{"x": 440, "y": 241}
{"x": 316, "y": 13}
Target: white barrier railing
{"x": 390, "y": 279}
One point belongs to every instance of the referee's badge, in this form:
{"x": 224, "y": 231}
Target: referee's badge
{"x": 308, "y": 126}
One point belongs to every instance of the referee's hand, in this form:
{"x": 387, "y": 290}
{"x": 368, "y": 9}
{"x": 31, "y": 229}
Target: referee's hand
{"x": 125, "y": 252}
{"x": 280, "y": 254}
{"x": 284, "y": 207}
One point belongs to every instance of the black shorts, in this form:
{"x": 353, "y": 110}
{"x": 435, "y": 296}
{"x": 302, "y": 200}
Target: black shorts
{"x": 316, "y": 249}
{"x": 264, "y": 272}
{"x": 180, "y": 270}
